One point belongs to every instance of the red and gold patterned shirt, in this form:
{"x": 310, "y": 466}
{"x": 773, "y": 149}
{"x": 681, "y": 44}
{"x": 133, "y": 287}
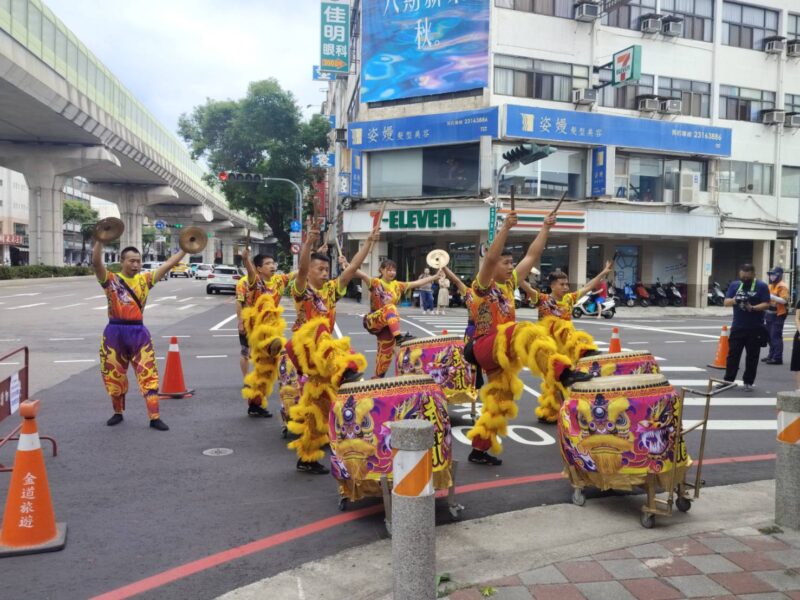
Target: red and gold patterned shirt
{"x": 492, "y": 306}
{"x": 311, "y": 303}
{"x": 383, "y": 292}
{"x": 121, "y": 305}
{"x": 550, "y": 307}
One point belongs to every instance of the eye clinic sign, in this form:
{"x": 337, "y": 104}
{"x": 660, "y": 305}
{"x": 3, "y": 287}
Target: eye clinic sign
{"x": 410, "y": 220}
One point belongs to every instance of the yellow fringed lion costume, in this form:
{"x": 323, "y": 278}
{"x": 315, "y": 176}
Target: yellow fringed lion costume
{"x": 263, "y": 324}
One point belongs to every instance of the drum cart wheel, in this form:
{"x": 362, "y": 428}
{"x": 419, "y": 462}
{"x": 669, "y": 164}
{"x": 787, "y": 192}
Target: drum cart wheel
{"x": 683, "y": 504}
{"x": 578, "y": 497}
{"x": 648, "y": 520}
{"x": 342, "y": 504}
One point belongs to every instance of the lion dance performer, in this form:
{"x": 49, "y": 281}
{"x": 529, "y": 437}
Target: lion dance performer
{"x": 501, "y": 346}
{"x": 126, "y": 340}
{"x": 383, "y": 321}
{"x": 264, "y": 325}
{"x": 555, "y": 315}
{"x": 325, "y": 361}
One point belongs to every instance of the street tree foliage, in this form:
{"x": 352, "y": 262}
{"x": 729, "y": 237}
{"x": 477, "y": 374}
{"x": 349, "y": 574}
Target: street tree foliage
{"x": 83, "y": 215}
{"x": 148, "y": 239}
{"x": 261, "y": 133}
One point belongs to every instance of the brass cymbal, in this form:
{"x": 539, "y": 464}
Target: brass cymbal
{"x": 192, "y": 240}
{"x": 108, "y": 229}
{"x": 437, "y": 259}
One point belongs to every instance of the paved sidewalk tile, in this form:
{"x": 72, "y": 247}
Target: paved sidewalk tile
{"x": 556, "y": 591}
{"x": 753, "y": 561}
{"x": 788, "y": 558}
{"x": 697, "y": 586}
{"x": 467, "y": 594}
{"x": 713, "y": 564}
{"x": 583, "y": 571}
{"x": 666, "y": 567}
{"x": 548, "y": 574}
{"x": 613, "y": 555}
{"x": 781, "y": 580}
{"x": 767, "y": 596}
{"x": 631, "y": 568}
{"x": 504, "y": 582}
{"x": 742, "y": 583}
{"x": 686, "y": 546}
{"x": 722, "y": 543}
{"x": 647, "y": 551}
{"x": 763, "y": 542}
{"x": 651, "y": 589}
{"x": 605, "y": 590}
{"x": 517, "y": 592}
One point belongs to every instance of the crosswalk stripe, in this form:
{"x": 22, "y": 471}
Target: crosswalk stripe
{"x": 678, "y": 369}
{"x": 691, "y": 382}
{"x": 719, "y": 401}
{"x": 737, "y": 425}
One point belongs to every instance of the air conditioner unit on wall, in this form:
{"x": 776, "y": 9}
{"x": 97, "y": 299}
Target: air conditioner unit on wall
{"x": 793, "y": 49}
{"x": 341, "y": 135}
{"x": 650, "y": 24}
{"x": 673, "y": 27}
{"x": 649, "y": 104}
{"x": 671, "y": 106}
{"x": 584, "y": 96}
{"x": 774, "y": 45}
{"x": 587, "y": 12}
{"x": 792, "y": 120}
{"x": 689, "y": 192}
{"x": 773, "y": 117}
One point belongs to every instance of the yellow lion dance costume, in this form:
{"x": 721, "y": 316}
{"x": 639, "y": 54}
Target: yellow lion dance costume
{"x": 532, "y": 347}
{"x": 570, "y": 342}
{"x": 324, "y": 360}
{"x": 264, "y": 324}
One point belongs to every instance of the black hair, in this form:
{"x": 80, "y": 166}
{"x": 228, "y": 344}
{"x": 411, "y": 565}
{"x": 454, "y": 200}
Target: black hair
{"x": 507, "y": 252}
{"x": 259, "y": 259}
{"x": 747, "y": 268}
{"x": 319, "y": 256}
{"x": 387, "y": 263}
{"x": 128, "y": 249}
{"x": 556, "y": 275}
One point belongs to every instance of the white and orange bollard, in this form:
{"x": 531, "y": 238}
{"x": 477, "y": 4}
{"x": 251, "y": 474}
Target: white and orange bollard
{"x": 29, "y": 521}
{"x": 413, "y": 511}
{"x": 787, "y": 463}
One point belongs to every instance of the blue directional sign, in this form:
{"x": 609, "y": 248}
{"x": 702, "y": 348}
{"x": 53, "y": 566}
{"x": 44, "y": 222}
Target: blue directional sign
{"x": 324, "y": 160}
{"x": 322, "y": 75}
{"x": 160, "y": 225}
{"x": 294, "y": 226}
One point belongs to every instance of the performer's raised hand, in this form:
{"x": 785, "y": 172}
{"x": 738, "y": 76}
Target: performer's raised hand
{"x": 375, "y": 235}
{"x": 608, "y": 268}
{"x": 510, "y": 221}
{"x": 550, "y": 220}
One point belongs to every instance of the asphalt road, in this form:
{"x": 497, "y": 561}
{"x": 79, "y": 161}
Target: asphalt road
{"x": 140, "y": 502}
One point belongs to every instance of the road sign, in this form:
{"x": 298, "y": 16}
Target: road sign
{"x": 335, "y": 42}
{"x": 295, "y": 226}
{"x": 492, "y": 222}
{"x": 323, "y": 159}
{"x": 295, "y": 248}
{"x": 296, "y": 237}
{"x": 321, "y": 75}
{"x": 160, "y": 225}
{"x": 626, "y": 66}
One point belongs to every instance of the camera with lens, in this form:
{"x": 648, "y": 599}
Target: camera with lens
{"x": 742, "y": 300}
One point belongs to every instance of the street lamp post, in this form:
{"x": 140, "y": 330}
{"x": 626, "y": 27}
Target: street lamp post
{"x": 298, "y": 209}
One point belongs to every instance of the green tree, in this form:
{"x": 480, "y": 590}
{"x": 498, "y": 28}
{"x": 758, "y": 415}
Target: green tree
{"x": 148, "y": 239}
{"x": 260, "y": 133}
{"x": 81, "y": 214}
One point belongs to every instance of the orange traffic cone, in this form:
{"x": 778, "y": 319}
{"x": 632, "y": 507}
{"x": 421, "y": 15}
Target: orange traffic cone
{"x": 614, "y": 345}
{"x": 173, "y": 386}
{"x": 29, "y": 521}
{"x": 720, "y": 361}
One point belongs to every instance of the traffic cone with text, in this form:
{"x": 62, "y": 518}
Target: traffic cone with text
{"x": 721, "y": 359}
{"x": 173, "y": 386}
{"x": 614, "y": 345}
{"x": 29, "y": 521}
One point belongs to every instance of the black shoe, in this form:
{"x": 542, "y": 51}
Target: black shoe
{"x": 772, "y": 361}
{"x": 314, "y": 468}
{"x": 158, "y": 424}
{"x": 406, "y": 337}
{"x": 257, "y": 411}
{"x": 591, "y": 353}
{"x": 351, "y": 376}
{"x": 115, "y": 420}
{"x": 570, "y": 377}
{"x": 767, "y": 359}
{"x": 480, "y": 457}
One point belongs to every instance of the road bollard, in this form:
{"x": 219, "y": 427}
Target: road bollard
{"x": 413, "y": 512}
{"x": 787, "y": 466}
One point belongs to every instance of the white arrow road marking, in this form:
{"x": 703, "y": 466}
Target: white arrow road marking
{"x": 219, "y": 325}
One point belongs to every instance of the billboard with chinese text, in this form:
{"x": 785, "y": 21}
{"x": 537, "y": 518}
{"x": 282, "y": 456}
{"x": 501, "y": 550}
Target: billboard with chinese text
{"x": 335, "y": 37}
{"x": 417, "y": 48}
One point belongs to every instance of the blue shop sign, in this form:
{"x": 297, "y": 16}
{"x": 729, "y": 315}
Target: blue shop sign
{"x": 355, "y": 174}
{"x": 425, "y": 130}
{"x": 609, "y": 130}
{"x": 599, "y": 158}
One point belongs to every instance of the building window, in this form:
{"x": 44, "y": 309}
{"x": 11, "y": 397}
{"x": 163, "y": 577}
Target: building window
{"x": 20, "y": 229}
{"x": 697, "y": 15}
{"x": 628, "y": 16}
{"x": 747, "y": 26}
{"x": 623, "y": 96}
{"x": 424, "y": 172}
{"x": 650, "y": 178}
{"x": 790, "y": 182}
{"x": 793, "y": 27}
{"x": 792, "y": 103}
{"x": 743, "y": 104}
{"x": 695, "y": 96}
{"x": 563, "y": 171}
{"x": 745, "y": 178}
{"x": 553, "y": 8}
{"x": 542, "y": 79}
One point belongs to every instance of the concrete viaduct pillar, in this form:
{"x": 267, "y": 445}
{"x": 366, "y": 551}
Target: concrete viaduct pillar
{"x": 46, "y": 168}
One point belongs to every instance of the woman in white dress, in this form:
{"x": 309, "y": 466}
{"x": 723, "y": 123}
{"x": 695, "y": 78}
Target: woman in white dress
{"x": 443, "y": 299}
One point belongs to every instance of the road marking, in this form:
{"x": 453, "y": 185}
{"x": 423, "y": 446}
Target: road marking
{"x": 67, "y": 306}
{"x": 10, "y": 340}
{"x": 167, "y": 337}
{"x": 18, "y": 295}
{"x": 61, "y": 296}
{"x": 637, "y": 343}
{"x": 673, "y": 369}
{"x": 211, "y": 356}
{"x": 184, "y": 300}
{"x": 369, "y": 351}
{"x": 531, "y": 390}
{"x": 691, "y": 382}
{"x": 223, "y": 322}
{"x": 187, "y": 306}
{"x": 151, "y": 306}
{"x": 167, "y": 298}
{"x": 656, "y": 329}
{"x": 337, "y": 331}
{"x": 359, "y": 333}
{"x": 690, "y": 327}
{"x": 104, "y": 307}
{"x": 64, "y": 339}
{"x": 79, "y": 360}
{"x": 225, "y": 335}
{"x": 26, "y": 305}
{"x": 95, "y": 297}
{"x": 675, "y": 342}
{"x": 4, "y": 364}
{"x": 417, "y": 326}
{"x": 720, "y": 401}
{"x": 740, "y": 425}
{"x": 708, "y": 341}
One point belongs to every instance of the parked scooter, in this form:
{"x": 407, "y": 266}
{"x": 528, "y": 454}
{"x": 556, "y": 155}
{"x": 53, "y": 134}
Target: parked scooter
{"x": 587, "y": 305}
{"x": 642, "y": 294}
{"x": 674, "y": 294}
{"x": 628, "y": 297}
{"x": 716, "y": 297}
{"x": 659, "y": 294}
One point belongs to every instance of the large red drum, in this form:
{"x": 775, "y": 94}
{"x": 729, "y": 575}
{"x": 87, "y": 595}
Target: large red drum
{"x": 614, "y": 431}
{"x": 360, "y": 425}
{"x": 619, "y": 363}
{"x": 441, "y": 357}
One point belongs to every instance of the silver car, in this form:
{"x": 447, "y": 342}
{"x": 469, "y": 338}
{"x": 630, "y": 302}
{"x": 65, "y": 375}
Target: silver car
{"x": 203, "y": 271}
{"x": 223, "y": 277}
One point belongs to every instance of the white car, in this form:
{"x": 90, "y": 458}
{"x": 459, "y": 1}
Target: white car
{"x": 152, "y": 266}
{"x": 223, "y": 277}
{"x": 203, "y": 271}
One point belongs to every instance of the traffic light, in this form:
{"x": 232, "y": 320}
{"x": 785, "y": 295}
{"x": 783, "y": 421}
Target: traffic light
{"x": 528, "y": 153}
{"x": 178, "y": 225}
{"x": 237, "y": 177}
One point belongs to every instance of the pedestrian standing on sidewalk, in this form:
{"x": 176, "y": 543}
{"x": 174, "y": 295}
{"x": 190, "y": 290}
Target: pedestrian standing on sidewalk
{"x": 443, "y": 297}
{"x": 749, "y": 298}
{"x": 776, "y": 316}
{"x": 426, "y": 293}
{"x": 795, "y": 366}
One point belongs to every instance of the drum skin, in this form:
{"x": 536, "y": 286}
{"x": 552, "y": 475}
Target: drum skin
{"x": 441, "y": 357}
{"x": 614, "y": 431}
{"x": 619, "y": 363}
{"x": 360, "y": 431}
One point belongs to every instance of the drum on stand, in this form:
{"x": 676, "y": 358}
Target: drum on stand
{"x": 442, "y": 358}
{"x": 619, "y": 363}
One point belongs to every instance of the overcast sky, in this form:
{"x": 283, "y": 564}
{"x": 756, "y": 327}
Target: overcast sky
{"x": 173, "y": 54}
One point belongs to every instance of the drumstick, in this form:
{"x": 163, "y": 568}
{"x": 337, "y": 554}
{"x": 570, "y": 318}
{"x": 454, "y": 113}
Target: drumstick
{"x": 247, "y": 240}
{"x": 555, "y": 210}
{"x": 513, "y": 191}
{"x": 380, "y": 214}
{"x": 338, "y": 245}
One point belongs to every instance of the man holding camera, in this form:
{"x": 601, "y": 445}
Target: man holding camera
{"x": 749, "y": 298}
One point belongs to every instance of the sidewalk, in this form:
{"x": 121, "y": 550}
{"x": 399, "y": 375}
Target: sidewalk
{"x": 725, "y": 547}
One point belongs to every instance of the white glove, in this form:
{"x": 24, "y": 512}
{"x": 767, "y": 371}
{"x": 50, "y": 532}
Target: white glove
{"x": 777, "y": 299}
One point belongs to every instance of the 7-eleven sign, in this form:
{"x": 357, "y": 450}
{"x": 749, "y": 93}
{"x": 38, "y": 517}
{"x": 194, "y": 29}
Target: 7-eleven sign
{"x": 626, "y": 66}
